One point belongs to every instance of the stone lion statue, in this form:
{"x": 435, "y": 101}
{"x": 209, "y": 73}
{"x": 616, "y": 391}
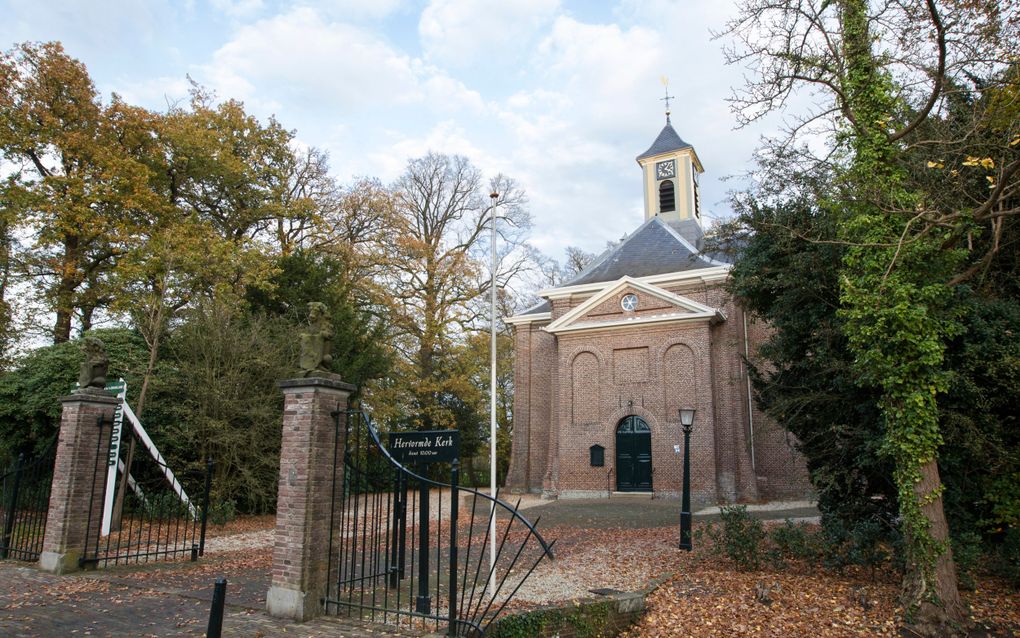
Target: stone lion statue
{"x": 95, "y": 365}
{"x": 317, "y": 343}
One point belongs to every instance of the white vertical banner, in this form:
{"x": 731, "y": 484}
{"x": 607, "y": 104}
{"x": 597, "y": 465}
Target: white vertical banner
{"x": 118, "y": 387}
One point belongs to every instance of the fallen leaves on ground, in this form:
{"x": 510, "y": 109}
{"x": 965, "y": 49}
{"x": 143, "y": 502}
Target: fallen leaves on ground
{"x": 709, "y": 597}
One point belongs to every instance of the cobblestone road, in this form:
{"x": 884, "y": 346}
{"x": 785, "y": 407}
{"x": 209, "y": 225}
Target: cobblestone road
{"x": 157, "y": 601}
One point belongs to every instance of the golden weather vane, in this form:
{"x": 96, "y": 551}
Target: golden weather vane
{"x": 665, "y": 83}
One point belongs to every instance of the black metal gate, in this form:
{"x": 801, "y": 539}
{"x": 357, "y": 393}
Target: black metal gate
{"x": 402, "y": 550}
{"x": 162, "y": 515}
{"x": 25, "y": 500}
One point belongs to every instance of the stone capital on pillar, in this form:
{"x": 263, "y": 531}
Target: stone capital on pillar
{"x": 308, "y": 446}
{"x": 76, "y": 497}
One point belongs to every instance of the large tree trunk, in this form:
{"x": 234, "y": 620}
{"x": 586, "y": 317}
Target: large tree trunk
{"x": 67, "y": 284}
{"x": 938, "y": 610}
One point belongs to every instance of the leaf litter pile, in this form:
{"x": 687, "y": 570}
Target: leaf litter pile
{"x": 701, "y": 594}
{"x": 691, "y": 593}
{"x": 708, "y": 596}
{"x": 697, "y": 593}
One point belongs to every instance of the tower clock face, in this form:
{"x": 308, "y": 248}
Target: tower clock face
{"x": 664, "y": 170}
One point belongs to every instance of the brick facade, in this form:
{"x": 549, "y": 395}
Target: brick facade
{"x": 308, "y": 445}
{"x": 576, "y": 381}
{"x": 76, "y": 495}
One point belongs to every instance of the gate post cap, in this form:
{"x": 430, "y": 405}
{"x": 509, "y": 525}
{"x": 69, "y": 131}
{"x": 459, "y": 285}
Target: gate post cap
{"x": 332, "y": 382}
{"x": 91, "y": 395}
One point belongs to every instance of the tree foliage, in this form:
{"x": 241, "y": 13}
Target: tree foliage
{"x": 203, "y": 232}
{"x": 886, "y": 76}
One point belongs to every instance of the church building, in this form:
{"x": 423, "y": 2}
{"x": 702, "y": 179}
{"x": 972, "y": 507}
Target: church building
{"x": 603, "y": 365}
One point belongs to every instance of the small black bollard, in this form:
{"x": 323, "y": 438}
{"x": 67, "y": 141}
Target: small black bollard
{"x": 219, "y": 599}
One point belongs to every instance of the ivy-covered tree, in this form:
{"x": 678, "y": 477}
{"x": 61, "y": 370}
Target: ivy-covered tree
{"x": 881, "y": 71}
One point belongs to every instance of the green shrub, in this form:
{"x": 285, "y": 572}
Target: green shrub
{"x": 163, "y": 505}
{"x": 966, "y": 554}
{"x": 1006, "y": 563}
{"x": 795, "y": 540}
{"x": 222, "y": 511}
{"x": 739, "y": 537}
{"x": 869, "y": 542}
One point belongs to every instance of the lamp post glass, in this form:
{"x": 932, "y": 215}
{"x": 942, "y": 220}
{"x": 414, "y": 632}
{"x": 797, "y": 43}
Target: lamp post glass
{"x": 687, "y": 421}
{"x": 687, "y": 417}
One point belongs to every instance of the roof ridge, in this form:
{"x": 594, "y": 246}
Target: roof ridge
{"x": 601, "y": 257}
{"x": 689, "y": 246}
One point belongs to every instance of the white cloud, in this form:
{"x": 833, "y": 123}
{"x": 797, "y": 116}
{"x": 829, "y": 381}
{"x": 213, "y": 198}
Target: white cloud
{"x": 445, "y": 137}
{"x": 303, "y": 60}
{"x": 610, "y": 73}
{"x": 308, "y": 60}
{"x": 157, "y": 92}
{"x": 358, "y": 9}
{"x": 464, "y": 32}
{"x": 238, "y": 8}
{"x": 86, "y": 23}
{"x": 446, "y": 94}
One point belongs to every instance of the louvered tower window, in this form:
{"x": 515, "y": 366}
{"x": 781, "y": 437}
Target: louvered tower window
{"x": 697, "y": 199}
{"x": 667, "y": 197}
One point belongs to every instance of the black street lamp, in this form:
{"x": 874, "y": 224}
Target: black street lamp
{"x": 687, "y": 421}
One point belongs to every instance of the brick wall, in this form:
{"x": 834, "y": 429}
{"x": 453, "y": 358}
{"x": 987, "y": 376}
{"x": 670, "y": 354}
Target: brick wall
{"x": 309, "y": 440}
{"x": 782, "y": 471}
{"x": 76, "y": 496}
{"x": 635, "y": 367}
{"x": 574, "y": 389}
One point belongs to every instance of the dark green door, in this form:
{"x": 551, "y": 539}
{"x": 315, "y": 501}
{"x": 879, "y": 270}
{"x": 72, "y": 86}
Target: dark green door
{"x": 633, "y": 455}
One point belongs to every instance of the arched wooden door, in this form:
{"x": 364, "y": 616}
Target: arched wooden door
{"x": 633, "y": 455}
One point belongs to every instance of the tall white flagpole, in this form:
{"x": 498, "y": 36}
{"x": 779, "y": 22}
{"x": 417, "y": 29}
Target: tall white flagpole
{"x": 494, "y": 196}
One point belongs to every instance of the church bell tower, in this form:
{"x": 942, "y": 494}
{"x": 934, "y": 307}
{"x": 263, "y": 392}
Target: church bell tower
{"x": 670, "y": 170}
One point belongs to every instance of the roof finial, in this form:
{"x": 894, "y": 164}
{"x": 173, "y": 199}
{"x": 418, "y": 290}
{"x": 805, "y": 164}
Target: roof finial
{"x": 665, "y": 83}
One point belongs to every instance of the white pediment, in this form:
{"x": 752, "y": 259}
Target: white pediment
{"x": 673, "y": 308}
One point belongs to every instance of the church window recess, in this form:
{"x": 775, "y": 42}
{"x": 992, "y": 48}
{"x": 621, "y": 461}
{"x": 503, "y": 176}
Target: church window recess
{"x": 667, "y": 196}
{"x": 585, "y": 389}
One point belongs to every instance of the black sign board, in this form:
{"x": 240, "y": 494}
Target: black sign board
{"x": 432, "y": 446}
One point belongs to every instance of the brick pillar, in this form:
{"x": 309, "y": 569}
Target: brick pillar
{"x": 303, "y": 500}
{"x": 78, "y": 479}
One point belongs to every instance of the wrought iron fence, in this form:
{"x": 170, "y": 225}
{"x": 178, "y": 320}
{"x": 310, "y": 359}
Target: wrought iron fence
{"x": 154, "y": 517}
{"x": 402, "y": 551}
{"x": 24, "y": 501}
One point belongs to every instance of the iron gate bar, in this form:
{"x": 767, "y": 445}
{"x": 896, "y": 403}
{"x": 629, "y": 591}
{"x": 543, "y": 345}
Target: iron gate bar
{"x": 24, "y": 501}
{"x": 84, "y": 560}
{"x": 376, "y": 512}
{"x": 12, "y": 506}
{"x": 154, "y": 524}
{"x": 210, "y": 465}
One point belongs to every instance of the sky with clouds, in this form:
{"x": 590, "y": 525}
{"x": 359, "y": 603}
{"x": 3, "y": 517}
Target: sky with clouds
{"x": 561, "y": 95}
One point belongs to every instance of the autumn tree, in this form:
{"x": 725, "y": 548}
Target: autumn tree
{"x": 438, "y": 275}
{"x": 72, "y": 184}
{"x": 879, "y": 72}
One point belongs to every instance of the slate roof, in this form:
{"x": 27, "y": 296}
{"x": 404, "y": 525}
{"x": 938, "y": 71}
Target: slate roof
{"x": 655, "y": 248}
{"x": 543, "y": 306}
{"x": 667, "y": 141}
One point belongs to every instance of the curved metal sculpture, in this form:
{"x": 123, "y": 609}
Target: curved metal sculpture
{"x": 395, "y": 557}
